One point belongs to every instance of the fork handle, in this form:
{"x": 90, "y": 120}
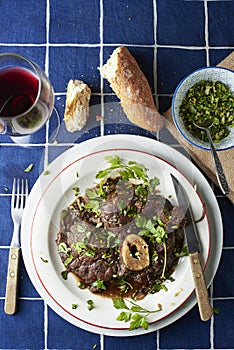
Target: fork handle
{"x": 12, "y": 281}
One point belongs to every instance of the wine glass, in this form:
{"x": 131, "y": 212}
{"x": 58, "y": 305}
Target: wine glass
{"x": 26, "y": 97}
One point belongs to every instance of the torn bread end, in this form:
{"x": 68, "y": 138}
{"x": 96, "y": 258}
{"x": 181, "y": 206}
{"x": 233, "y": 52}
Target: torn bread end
{"x": 77, "y": 105}
{"x": 132, "y": 88}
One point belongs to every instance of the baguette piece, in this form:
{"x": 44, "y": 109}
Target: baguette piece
{"x": 132, "y": 88}
{"x": 77, "y": 105}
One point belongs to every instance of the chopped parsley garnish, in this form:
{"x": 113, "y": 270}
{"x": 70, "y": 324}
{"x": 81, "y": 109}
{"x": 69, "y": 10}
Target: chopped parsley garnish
{"x": 29, "y": 168}
{"x": 123, "y": 285}
{"x": 79, "y": 246}
{"x": 62, "y": 248}
{"x": 68, "y": 260}
{"x": 131, "y": 170}
{"x": 90, "y": 304}
{"x": 76, "y": 191}
{"x": 154, "y": 229}
{"x": 183, "y": 252}
{"x": 159, "y": 286}
{"x": 64, "y": 274}
{"x": 82, "y": 285}
{"x": 99, "y": 284}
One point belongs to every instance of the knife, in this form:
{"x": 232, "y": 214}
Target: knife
{"x": 190, "y": 231}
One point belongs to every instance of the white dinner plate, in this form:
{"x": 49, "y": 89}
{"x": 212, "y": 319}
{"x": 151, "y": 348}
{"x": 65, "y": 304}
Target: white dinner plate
{"x": 53, "y": 192}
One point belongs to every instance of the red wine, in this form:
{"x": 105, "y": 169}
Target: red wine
{"x": 18, "y": 91}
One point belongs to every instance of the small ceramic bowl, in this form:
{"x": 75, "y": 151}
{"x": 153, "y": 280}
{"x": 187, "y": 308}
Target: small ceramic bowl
{"x": 209, "y": 73}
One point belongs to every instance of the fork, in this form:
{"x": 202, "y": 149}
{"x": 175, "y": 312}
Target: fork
{"x": 18, "y": 201}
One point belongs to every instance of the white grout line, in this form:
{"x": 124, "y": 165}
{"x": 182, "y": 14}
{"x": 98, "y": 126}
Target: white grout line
{"x": 208, "y": 64}
{"x": 41, "y": 299}
{"x": 101, "y": 63}
{"x": 47, "y": 36}
{"x": 102, "y": 106}
{"x": 155, "y": 71}
{"x": 120, "y": 44}
{"x": 45, "y": 326}
{"x": 212, "y": 318}
{"x": 158, "y": 339}
{"x": 155, "y": 67}
{"x": 155, "y": 50}
{"x": 206, "y": 32}
{"x": 45, "y": 153}
{"x": 101, "y": 341}
{"x": 46, "y": 69}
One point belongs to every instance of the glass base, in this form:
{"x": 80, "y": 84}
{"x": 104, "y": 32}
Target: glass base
{"x": 46, "y": 134}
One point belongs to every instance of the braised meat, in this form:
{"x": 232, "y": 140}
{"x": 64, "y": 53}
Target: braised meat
{"x": 121, "y": 238}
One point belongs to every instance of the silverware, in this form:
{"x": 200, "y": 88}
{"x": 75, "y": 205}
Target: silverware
{"x": 193, "y": 244}
{"x": 220, "y": 175}
{"x": 18, "y": 200}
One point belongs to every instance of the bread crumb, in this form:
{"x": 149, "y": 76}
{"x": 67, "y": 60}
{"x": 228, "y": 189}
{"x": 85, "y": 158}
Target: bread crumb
{"x": 179, "y": 291}
{"x": 99, "y": 118}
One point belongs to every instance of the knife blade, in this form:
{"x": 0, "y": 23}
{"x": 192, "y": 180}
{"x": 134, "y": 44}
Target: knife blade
{"x": 191, "y": 236}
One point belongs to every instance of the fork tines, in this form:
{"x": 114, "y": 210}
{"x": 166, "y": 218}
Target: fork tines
{"x": 19, "y": 193}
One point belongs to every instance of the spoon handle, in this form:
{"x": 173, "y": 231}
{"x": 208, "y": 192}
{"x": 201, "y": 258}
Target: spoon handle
{"x": 218, "y": 167}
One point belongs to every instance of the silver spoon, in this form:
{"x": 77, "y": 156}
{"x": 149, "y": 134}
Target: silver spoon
{"x": 218, "y": 166}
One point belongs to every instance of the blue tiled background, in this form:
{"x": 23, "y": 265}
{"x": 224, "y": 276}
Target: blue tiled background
{"x": 70, "y": 39}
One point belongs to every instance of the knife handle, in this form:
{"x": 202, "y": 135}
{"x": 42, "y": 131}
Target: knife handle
{"x": 205, "y": 308}
{"x": 12, "y": 281}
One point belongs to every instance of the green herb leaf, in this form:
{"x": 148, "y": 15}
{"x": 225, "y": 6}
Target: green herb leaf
{"x": 79, "y": 246}
{"x": 81, "y": 285}
{"x": 93, "y": 205}
{"x": 136, "y": 308}
{"x": 137, "y": 321}
{"x": 136, "y": 314}
{"x": 68, "y": 260}
{"x": 90, "y": 253}
{"x": 64, "y": 274}
{"x": 90, "y": 304}
{"x": 62, "y": 248}
{"x": 119, "y": 303}
{"x": 91, "y": 193}
{"x": 99, "y": 284}
{"x": 29, "y": 168}
{"x": 144, "y": 323}
{"x": 76, "y": 191}
{"x": 183, "y": 252}
{"x": 124, "y": 316}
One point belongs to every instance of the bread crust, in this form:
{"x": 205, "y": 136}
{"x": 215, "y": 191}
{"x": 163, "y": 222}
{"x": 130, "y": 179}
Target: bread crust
{"x": 132, "y": 88}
